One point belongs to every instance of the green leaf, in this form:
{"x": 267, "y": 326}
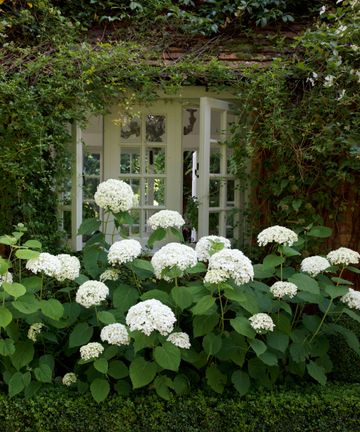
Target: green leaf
{"x": 243, "y": 327}
{"x": 234, "y": 347}
{"x": 99, "y": 388}
{"x": 271, "y": 261}
{"x": 89, "y": 226}
{"x": 157, "y": 235}
{"x": 262, "y": 272}
{"x": 162, "y": 386}
{"x": 317, "y": 372}
{"x": 118, "y": 369}
{"x": 177, "y": 233}
{"x": 5, "y": 316}
{"x": 7, "y": 347}
{"x": 8, "y": 240}
{"x": 90, "y": 260}
{"x": 182, "y": 297}
{"x": 106, "y": 317}
{"x": 168, "y": 356}
{"x": 52, "y": 308}
{"x": 288, "y": 251}
{"x": 26, "y": 254}
{"x": 123, "y": 388}
{"x": 80, "y": 335}
{"x": 43, "y": 373}
{"x": 215, "y": 379}
{"x": 298, "y": 352}
{"x": 200, "y": 267}
{"x": 203, "y": 305}
{"x": 181, "y": 384}
{"x": 142, "y": 264}
{"x": 101, "y": 365}
{"x": 278, "y": 341}
{"x": 142, "y": 341}
{"x": 34, "y": 244}
{"x": 141, "y": 372}
{"x": 269, "y": 358}
{"x": 349, "y": 336}
{"x": 124, "y": 297}
{"x": 338, "y": 280}
{"x": 14, "y": 289}
{"x": 212, "y": 343}
{"x": 320, "y": 231}
{"x": 4, "y": 265}
{"x": 203, "y": 324}
{"x": 305, "y": 283}
{"x": 24, "y": 353}
{"x": 241, "y": 382}
{"x": 16, "y": 384}
{"x": 258, "y": 346}
{"x": 32, "y": 283}
{"x": 352, "y": 314}
{"x": 158, "y": 295}
{"x": 335, "y": 291}
{"x": 27, "y": 304}
{"x": 353, "y": 269}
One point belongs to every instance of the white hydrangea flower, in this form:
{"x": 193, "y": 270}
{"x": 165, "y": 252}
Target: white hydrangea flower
{"x": 173, "y": 255}
{"x": 46, "y": 263}
{"x": 280, "y": 289}
{"x": 115, "y": 334}
{"x": 90, "y": 351}
{"x": 166, "y": 219}
{"x": 314, "y": 265}
{"x": 69, "y": 379}
{"x": 114, "y": 195}
{"x": 69, "y": 267}
{"x": 343, "y": 256}
{"x": 7, "y": 277}
{"x": 329, "y": 81}
{"x": 34, "y": 331}
{"x": 204, "y": 247}
{"x": 277, "y": 234}
{"x": 180, "y": 340}
{"x": 151, "y": 315}
{"x": 229, "y": 264}
{"x": 262, "y": 323}
{"x": 91, "y": 293}
{"x": 109, "y": 274}
{"x": 352, "y": 299}
{"x": 124, "y": 251}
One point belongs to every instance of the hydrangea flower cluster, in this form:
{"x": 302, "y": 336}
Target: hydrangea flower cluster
{"x": 262, "y": 323}
{"x": 69, "y": 379}
{"x": 7, "y": 277}
{"x": 124, "y": 251}
{"x": 114, "y": 195}
{"x": 173, "y": 255}
{"x": 277, "y": 234}
{"x": 115, "y": 334}
{"x": 69, "y": 267}
{"x": 91, "y": 293}
{"x": 45, "y": 263}
{"x": 280, "y": 289}
{"x": 166, "y": 219}
{"x": 352, "y": 299}
{"x": 229, "y": 264}
{"x": 109, "y": 274}
{"x": 90, "y": 351}
{"x": 205, "y": 247}
{"x": 343, "y": 256}
{"x": 34, "y": 331}
{"x": 180, "y": 340}
{"x": 314, "y": 265}
{"x": 151, "y": 315}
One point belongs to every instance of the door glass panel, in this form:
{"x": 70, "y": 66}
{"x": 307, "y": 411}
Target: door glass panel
{"x": 155, "y": 160}
{"x": 89, "y": 187}
{"x": 230, "y": 224}
{"x": 215, "y": 125}
{"x": 91, "y": 164}
{"x": 215, "y": 158}
{"x": 214, "y": 192}
{"x": 155, "y": 191}
{"x": 230, "y": 193}
{"x": 213, "y": 223}
{"x": 130, "y": 160}
{"x": 67, "y": 222}
{"x": 131, "y": 130}
{"x": 155, "y": 128}
{"x": 90, "y": 210}
{"x": 135, "y": 186}
{"x": 230, "y": 163}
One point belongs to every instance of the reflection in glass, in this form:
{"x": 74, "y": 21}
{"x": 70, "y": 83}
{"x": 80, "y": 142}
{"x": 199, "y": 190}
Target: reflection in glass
{"x": 130, "y": 160}
{"x": 230, "y": 193}
{"x": 215, "y": 125}
{"x": 155, "y": 160}
{"x": 67, "y": 222}
{"x": 90, "y": 210}
{"x": 91, "y": 164}
{"x": 89, "y": 187}
{"x": 135, "y": 186}
{"x": 154, "y": 192}
{"x": 155, "y": 128}
{"x": 214, "y": 193}
{"x": 133, "y": 229}
{"x": 131, "y": 130}
{"x": 215, "y": 158}
{"x": 213, "y": 223}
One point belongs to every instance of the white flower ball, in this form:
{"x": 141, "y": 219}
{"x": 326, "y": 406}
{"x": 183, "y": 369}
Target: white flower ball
{"x": 109, "y": 274}
{"x": 45, "y": 263}
{"x": 124, "y": 251}
{"x": 34, "y": 331}
{"x": 69, "y": 379}
{"x": 7, "y": 277}
{"x": 180, "y": 340}
{"x": 115, "y": 334}
{"x": 91, "y": 293}
{"x": 166, "y": 219}
{"x": 90, "y": 351}
{"x": 280, "y": 289}
{"x": 262, "y": 323}
{"x": 277, "y": 234}
{"x": 151, "y": 315}
{"x": 114, "y": 195}
{"x": 173, "y": 255}
{"x": 351, "y": 299}
{"x": 344, "y": 256}
{"x": 314, "y": 265}
{"x": 205, "y": 247}
{"x": 69, "y": 267}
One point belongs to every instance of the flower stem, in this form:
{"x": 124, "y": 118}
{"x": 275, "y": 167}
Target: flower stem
{"x": 222, "y": 324}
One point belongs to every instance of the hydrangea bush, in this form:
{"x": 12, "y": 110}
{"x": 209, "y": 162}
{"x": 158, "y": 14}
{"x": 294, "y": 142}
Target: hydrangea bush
{"x": 181, "y": 318}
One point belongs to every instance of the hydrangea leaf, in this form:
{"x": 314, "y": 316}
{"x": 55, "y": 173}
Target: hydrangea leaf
{"x": 142, "y": 372}
{"x": 124, "y": 297}
{"x": 27, "y": 304}
{"x": 168, "y": 356}
{"x": 271, "y": 261}
{"x": 118, "y": 369}
{"x": 43, "y": 373}
{"x": 317, "y": 372}
{"x": 26, "y": 254}
{"x": 305, "y": 283}
{"x": 80, "y": 335}
{"x": 101, "y": 365}
{"x": 181, "y": 384}
{"x": 243, "y": 327}
{"x": 269, "y": 358}
{"x": 106, "y": 317}
{"x": 203, "y": 305}
{"x": 203, "y": 324}
{"x": 278, "y": 341}
{"x": 99, "y": 388}
{"x": 14, "y": 289}
{"x": 215, "y": 378}
{"x": 212, "y": 343}
{"x": 258, "y": 346}
{"x": 89, "y": 226}
{"x": 182, "y": 297}
{"x": 241, "y": 382}
{"x": 52, "y": 308}
{"x": 5, "y": 316}
{"x": 7, "y": 347}
{"x": 24, "y": 353}
{"x": 34, "y": 244}
{"x": 16, "y": 384}
{"x": 162, "y": 386}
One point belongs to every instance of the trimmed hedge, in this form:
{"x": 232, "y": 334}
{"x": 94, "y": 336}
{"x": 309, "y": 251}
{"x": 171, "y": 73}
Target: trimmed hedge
{"x": 310, "y": 408}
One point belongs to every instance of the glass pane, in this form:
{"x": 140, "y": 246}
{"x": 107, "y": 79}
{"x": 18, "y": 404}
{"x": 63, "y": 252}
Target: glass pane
{"x": 135, "y": 186}
{"x": 90, "y": 210}
{"x": 89, "y": 187}
{"x": 134, "y": 228}
{"x": 230, "y": 163}
{"x": 91, "y": 164}
{"x": 231, "y": 223}
{"x": 230, "y": 193}
{"x": 155, "y": 128}
{"x": 215, "y": 158}
{"x": 190, "y": 121}
{"x": 155, "y": 160}
{"x": 92, "y": 135}
{"x": 67, "y": 222}
{"x": 214, "y": 193}
{"x": 215, "y": 125}
{"x": 213, "y": 223}
{"x": 131, "y": 130}
{"x": 148, "y": 213}
{"x": 130, "y": 160}
{"x": 155, "y": 192}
